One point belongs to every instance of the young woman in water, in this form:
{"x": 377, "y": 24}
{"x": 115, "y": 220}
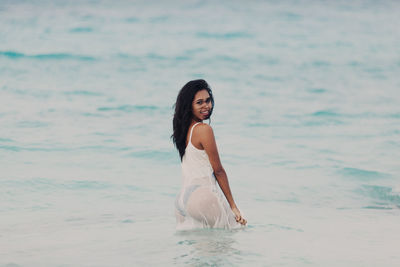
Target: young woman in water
{"x": 200, "y": 203}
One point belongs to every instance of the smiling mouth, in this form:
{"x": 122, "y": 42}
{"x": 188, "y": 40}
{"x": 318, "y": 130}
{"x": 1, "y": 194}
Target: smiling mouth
{"x": 204, "y": 112}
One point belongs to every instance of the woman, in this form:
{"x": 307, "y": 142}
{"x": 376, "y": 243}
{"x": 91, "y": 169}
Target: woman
{"x": 200, "y": 203}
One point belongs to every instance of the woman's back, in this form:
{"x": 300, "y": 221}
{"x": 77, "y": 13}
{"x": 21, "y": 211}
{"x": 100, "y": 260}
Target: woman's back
{"x": 195, "y": 164}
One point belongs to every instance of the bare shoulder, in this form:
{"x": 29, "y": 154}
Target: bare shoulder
{"x": 204, "y": 129}
{"x": 207, "y": 141}
{"x": 205, "y": 133}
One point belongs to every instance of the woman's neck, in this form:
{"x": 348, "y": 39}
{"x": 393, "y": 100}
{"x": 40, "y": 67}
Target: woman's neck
{"x": 195, "y": 121}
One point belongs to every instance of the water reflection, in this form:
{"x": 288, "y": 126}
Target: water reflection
{"x": 207, "y": 247}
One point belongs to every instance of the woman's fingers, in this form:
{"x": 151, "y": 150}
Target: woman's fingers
{"x": 239, "y": 217}
{"x": 241, "y": 220}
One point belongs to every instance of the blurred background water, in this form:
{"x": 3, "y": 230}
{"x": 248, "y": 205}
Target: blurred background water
{"x": 307, "y": 121}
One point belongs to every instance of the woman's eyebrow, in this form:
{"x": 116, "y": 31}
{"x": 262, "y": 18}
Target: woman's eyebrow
{"x": 203, "y": 98}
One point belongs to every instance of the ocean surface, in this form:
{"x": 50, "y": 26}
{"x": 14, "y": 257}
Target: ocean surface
{"x": 307, "y": 121}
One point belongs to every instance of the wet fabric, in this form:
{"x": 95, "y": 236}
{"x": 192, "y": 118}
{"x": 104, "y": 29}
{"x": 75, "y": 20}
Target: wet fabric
{"x": 200, "y": 203}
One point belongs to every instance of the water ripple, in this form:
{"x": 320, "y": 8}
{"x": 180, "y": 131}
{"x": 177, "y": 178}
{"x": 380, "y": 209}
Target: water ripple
{"x": 363, "y": 174}
{"x": 224, "y": 36}
{"x": 384, "y": 197}
{"x": 83, "y": 93}
{"x": 81, "y": 30}
{"x": 129, "y": 108}
{"x": 50, "y": 56}
{"x": 43, "y": 184}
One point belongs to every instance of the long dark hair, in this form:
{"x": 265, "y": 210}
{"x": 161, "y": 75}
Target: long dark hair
{"x": 183, "y": 112}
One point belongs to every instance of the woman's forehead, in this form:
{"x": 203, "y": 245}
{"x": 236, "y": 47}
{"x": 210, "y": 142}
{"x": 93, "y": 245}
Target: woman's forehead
{"x": 202, "y": 94}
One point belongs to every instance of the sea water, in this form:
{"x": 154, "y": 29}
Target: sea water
{"x": 307, "y": 122}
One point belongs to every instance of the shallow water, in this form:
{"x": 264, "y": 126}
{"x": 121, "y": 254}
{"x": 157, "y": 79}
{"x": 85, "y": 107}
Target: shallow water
{"x": 306, "y": 119}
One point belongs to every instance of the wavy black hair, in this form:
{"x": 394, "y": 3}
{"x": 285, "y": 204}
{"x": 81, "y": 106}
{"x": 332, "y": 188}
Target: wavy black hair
{"x": 183, "y": 112}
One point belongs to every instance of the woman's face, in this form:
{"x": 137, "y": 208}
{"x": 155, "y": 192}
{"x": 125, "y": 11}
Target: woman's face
{"x": 201, "y": 105}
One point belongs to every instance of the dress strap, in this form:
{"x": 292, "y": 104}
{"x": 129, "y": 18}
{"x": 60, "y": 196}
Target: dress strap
{"x": 191, "y": 132}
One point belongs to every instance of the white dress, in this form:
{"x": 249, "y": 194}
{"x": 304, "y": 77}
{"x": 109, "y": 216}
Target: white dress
{"x": 200, "y": 203}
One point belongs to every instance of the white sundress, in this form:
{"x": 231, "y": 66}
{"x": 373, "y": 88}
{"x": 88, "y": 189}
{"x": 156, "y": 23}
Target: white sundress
{"x": 200, "y": 203}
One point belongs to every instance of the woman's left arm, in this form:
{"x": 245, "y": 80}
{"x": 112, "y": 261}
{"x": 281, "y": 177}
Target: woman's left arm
{"x": 207, "y": 140}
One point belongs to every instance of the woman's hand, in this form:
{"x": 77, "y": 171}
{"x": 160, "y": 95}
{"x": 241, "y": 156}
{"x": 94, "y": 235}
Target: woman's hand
{"x": 238, "y": 216}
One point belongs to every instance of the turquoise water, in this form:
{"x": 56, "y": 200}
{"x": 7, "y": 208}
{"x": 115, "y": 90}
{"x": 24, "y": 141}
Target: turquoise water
{"x": 307, "y": 121}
